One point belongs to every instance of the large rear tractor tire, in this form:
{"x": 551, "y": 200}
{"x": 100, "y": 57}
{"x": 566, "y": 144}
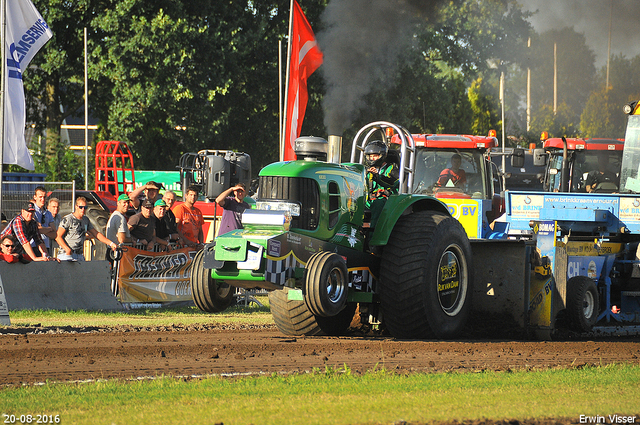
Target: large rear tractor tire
{"x": 425, "y": 277}
{"x": 210, "y": 295}
{"x": 326, "y": 284}
{"x": 292, "y": 317}
{"x": 582, "y": 303}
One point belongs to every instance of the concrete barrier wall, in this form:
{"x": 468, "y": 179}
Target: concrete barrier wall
{"x": 58, "y": 286}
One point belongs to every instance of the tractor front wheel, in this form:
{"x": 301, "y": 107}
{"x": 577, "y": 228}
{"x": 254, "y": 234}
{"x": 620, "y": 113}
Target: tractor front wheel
{"x": 326, "y": 284}
{"x": 210, "y": 295}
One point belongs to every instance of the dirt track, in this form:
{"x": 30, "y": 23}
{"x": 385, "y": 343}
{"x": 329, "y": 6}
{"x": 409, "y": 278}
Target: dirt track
{"x": 35, "y": 355}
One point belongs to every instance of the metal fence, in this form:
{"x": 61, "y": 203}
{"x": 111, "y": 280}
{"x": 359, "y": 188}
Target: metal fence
{"x": 16, "y": 193}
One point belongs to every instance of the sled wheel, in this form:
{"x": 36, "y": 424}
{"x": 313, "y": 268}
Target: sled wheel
{"x": 326, "y": 284}
{"x": 208, "y": 294}
{"x": 425, "y": 277}
{"x": 582, "y": 303}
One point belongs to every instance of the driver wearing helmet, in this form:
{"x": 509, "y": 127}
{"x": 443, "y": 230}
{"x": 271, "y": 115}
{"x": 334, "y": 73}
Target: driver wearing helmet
{"x": 382, "y": 178}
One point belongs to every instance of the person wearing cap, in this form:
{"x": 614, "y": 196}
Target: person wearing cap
{"x": 164, "y": 233}
{"x": 117, "y": 230}
{"x": 73, "y": 231}
{"x": 8, "y": 244}
{"x": 233, "y": 207}
{"x": 151, "y": 191}
{"x": 143, "y": 226}
{"x": 189, "y": 218}
{"x": 24, "y": 228}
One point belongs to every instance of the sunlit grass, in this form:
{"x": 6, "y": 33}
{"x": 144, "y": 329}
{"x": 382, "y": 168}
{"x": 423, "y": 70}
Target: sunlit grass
{"x": 335, "y": 396}
{"x": 144, "y": 317}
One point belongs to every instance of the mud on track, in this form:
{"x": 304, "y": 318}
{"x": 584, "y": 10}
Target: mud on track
{"x": 33, "y": 355}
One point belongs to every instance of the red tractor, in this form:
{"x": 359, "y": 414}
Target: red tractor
{"x": 473, "y": 199}
{"x": 568, "y": 162}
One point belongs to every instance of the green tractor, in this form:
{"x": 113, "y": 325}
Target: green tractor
{"x": 309, "y": 243}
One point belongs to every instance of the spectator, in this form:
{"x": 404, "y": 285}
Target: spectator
{"x": 24, "y": 228}
{"x": 44, "y": 219}
{"x": 233, "y": 207}
{"x": 164, "y": 234}
{"x": 189, "y": 219}
{"x": 169, "y": 198}
{"x": 73, "y": 231}
{"x": 150, "y": 190}
{"x": 117, "y": 230}
{"x": 8, "y": 244}
{"x": 54, "y": 208}
{"x": 143, "y": 226}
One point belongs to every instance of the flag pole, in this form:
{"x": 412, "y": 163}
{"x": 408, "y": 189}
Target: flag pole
{"x": 3, "y": 13}
{"x": 286, "y": 91}
{"x": 86, "y": 116}
{"x": 280, "y": 124}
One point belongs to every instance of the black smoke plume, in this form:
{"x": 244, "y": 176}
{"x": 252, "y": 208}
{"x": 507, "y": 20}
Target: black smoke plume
{"x": 361, "y": 43}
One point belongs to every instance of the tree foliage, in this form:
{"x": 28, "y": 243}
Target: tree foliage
{"x": 170, "y": 77}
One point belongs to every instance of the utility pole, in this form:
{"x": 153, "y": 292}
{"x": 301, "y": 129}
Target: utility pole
{"x": 555, "y": 78}
{"x": 529, "y": 88}
{"x": 606, "y": 87}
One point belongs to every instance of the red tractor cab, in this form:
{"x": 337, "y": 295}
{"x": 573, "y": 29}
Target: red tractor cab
{"x": 457, "y": 169}
{"x": 577, "y": 158}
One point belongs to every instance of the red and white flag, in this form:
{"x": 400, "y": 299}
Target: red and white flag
{"x": 26, "y": 33}
{"x": 306, "y": 57}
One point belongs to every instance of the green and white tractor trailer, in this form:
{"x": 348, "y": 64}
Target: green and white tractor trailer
{"x": 308, "y": 242}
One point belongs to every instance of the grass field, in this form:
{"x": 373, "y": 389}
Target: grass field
{"x": 339, "y": 397}
{"x": 329, "y": 396}
{"x": 143, "y": 317}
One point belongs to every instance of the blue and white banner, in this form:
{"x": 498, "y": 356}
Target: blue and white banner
{"x": 26, "y": 33}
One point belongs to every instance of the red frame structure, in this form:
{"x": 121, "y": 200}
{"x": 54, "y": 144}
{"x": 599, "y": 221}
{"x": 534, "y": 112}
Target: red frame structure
{"x": 113, "y": 160}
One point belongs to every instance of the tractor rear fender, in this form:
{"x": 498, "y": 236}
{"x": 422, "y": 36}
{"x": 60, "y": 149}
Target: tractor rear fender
{"x": 398, "y": 205}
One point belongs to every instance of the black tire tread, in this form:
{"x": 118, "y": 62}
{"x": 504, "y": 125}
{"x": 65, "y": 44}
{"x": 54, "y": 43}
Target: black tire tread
{"x": 313, "y": 294}
{"x": 204, "y": 288}
{"x": 292, "y": 317}
{"x": 401, "y": 284}
{"x": 576, "y": 288}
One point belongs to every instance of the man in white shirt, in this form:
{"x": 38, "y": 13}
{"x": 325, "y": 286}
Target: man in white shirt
{"x": 117, "y": 230}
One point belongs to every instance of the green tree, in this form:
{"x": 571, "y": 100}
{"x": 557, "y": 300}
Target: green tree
{"x": 602, "y": 115}
{"x": 58, "y": 162}
{"x": 599, "y": 118}
{"x": 54, "y": 84}
{"x": 483, "y": 105}
{"x": 170, "y": 77}
{"x": 562, "y": 123}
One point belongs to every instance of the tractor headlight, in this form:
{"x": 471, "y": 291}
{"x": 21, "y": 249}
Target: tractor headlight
{"x": 293, "y": 208}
